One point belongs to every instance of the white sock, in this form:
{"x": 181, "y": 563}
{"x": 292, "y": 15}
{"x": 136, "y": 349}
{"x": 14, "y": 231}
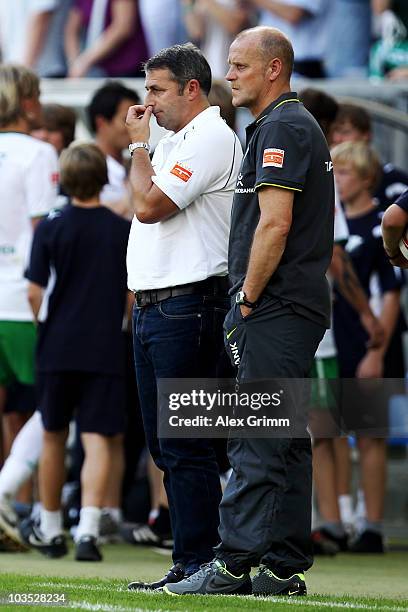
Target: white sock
{"x": 51, "y": 523}
{"x": 13, "y": 475}
{"x": 88, "y": 522}
{"x": 23, "y": 459}
{"x": 29, "y": 440}
{"x": 114, "y": 513}
{"x": 346, "y": 509}
{"x": 153, "y": 514}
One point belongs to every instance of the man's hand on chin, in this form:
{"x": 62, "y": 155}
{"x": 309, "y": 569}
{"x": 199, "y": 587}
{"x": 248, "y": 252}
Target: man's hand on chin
{"x": 137, "y": 122}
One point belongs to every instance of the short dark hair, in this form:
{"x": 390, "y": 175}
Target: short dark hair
{"x": 58, "y": 118}
{"x": 323, "y": 107}
{"x": 185, "y": 62}
{"x": 83, "y": 170}
{"x": 106, "y": 100}
{"x": 356, "y": 115}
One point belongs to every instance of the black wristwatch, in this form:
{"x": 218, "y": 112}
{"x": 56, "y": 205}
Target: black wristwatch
{"x": 241, "y": 298}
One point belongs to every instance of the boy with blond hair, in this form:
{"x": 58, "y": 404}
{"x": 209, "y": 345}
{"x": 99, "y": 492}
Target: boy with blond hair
{"x": 357, "y": 170}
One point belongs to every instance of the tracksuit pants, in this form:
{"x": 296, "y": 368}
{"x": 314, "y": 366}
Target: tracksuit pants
{"x": 265, "y": 513}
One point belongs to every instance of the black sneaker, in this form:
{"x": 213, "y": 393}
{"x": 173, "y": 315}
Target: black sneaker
{"x": 87, "y": 550}
{"x": 34, "y": 538}
{"x": 211, "y": 579}
{"x": 143, "y": 535}
{"x": 368, "y": 542}
{"x": 265, "y": 583}
{"x": 175, "y": 574}
{"x": 155, "y": 533}
{"x": 342, "y": 542}
{"x": 324, "y": 543}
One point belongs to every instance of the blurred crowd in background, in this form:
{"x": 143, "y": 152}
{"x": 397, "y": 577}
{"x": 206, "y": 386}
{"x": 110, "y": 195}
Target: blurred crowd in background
{"x": 112, "y": 39}
{"x": 88, "y": 38}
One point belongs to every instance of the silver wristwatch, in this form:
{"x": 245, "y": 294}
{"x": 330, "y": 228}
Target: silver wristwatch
{"x": 138, "y": 145}
{"x": 241, "y": 298}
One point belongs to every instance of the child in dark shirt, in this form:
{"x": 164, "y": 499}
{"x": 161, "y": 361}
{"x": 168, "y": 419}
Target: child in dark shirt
{"x": 357, "y": 169}
{"x": 77, "y": 291}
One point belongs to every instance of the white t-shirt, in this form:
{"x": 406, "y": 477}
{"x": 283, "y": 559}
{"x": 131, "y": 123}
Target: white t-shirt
{"x": 309, "y": 35}
{"x": 327, "y": 347}
{"x": 115, "y": 190}
{"x": 197, "y": 169}
{"x": 28, "y": 189}
{"x": 14, "y": 17}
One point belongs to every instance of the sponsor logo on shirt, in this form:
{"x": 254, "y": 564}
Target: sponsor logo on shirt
{"x": 240, "y": 188}
{"x": 329, "y": 166}
{"x": 273, "y": 157}
{"x": 181, "y": 172}
{"x": 245, "y": 190}
{"x": 55, "y": 178}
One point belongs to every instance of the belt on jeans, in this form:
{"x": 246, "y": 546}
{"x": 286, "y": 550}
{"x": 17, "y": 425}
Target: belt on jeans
{"x": 215, "y": 285}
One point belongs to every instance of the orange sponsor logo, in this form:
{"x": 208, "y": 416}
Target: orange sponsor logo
{"x": 273, "y": 157}
{"x": 182, "y": 173}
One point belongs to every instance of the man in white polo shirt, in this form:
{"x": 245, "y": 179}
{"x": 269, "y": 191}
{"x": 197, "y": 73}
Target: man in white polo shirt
{"x": 177, "y": 267}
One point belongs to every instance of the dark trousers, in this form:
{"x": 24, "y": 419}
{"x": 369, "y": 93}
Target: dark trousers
{"x": 181, "y": 337}
{"x": 265, "y": 512}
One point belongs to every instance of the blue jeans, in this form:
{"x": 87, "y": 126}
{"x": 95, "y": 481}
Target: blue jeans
{"x": 182, "y": 337}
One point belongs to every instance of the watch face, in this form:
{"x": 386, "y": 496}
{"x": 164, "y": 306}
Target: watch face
{"x": 239, "y": 298}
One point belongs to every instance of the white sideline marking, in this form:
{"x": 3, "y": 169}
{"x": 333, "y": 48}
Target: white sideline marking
{"x": 107, "y": 608}
{"x": 330, "y": 604}
{"x": 90, "y": 587}
{"x": 298, "y": 601}
{"x": 98, "y": 607}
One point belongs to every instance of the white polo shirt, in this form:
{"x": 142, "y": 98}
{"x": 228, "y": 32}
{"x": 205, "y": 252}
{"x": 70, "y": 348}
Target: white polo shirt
{"x": 197, "y": 169}
{"x": 28, "y": 189}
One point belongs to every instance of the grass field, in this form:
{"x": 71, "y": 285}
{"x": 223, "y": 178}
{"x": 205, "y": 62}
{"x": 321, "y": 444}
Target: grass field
{"x": 345, "y": 582}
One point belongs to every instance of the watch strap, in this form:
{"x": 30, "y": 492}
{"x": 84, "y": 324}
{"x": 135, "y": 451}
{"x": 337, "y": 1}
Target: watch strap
{"x": 138, "y": 145}
{"x": 242, "y": 299}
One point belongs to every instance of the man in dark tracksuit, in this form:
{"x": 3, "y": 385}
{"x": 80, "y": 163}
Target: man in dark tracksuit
{"x": 280, "y": 247}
